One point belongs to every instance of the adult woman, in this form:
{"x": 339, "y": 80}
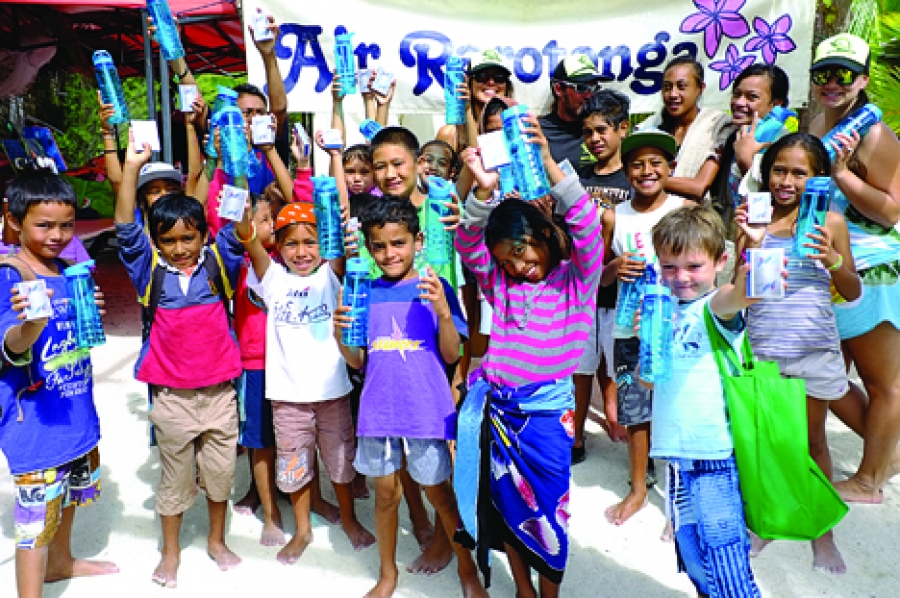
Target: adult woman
{"x": 700, "y": 133}
{"x": 866, "y": 175}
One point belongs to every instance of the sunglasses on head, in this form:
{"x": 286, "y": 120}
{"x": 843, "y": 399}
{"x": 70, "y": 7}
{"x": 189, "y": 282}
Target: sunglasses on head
{"x": 842, "y": 75}
{"x": 487, "y": 75}
{"x": 581, "y": 87}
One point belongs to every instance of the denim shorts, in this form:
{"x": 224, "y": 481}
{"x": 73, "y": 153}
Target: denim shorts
{"x": 427, "y": 459}
{"x": 635, "y": 402}
{"x": 256, "y": 429}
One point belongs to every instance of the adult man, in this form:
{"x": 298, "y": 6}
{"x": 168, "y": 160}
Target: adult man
{"x": 574, "y": 80}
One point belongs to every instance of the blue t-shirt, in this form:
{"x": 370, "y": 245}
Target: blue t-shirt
{"x": 690, "y": 417}
{"x": 59, "y": 422}
{"x": 262, "y": 178}
{"x": 406, "y": 391}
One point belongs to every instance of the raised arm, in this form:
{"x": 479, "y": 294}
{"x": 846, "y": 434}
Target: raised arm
{"x": 110, "y": 147}
{"x": 126, "y": 199}
{"x": 877, "y": 196}
{"x": 278, "y": 104}
{"x": 469, "y": 240}
{"x": 245, "y": 231}
{"x": 194, "y": 151}
{"x": 696, "y": 187}
{"x": 384, "y": 104}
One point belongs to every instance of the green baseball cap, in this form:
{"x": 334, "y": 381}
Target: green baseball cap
{"x": 578, "y": 68}
{"x": 487, "y": 59}
{"x": 655, "y": 138}
{"x": 845, "y": 50}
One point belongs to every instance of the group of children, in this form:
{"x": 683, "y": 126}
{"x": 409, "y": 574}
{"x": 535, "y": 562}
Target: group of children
{"x": 277, "y": 378}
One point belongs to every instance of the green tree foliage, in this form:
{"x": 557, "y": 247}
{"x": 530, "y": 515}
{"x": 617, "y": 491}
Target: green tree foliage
{"x": 878, "y": 22}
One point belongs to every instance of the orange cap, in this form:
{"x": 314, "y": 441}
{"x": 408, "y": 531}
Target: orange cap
{"x": 295, "y": 213}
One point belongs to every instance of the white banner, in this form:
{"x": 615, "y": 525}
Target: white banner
{"x": 629, "y": 40}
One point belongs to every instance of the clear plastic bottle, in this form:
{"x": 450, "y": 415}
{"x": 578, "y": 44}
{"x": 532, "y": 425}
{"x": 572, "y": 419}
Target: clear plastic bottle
{"x": 657, "y": 335}
{"x": 166, "y": 32}
{"x": 344, "y": 65}
{"x": 369, "y": 128}
{"x": 233, "y": 139}
{"x": 225, "y": 97}
{"x": 357, "y": 289}
{"x": 860, "y": 121}
{"x": 768, "y": 129}
{"x": 111, "y": 87}
{"x": 83, "y": 305}
{"x": 630, "y": 295}
{"x": 526, "y": 160}
{"x": 327, "y": 206}
{"x": 455, "y": 109}
{"x": 438, "y": 240}
{"x": 813, "y": 210}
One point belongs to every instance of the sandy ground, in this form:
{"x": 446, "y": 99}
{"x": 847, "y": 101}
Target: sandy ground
{"x": 604, "y": 560}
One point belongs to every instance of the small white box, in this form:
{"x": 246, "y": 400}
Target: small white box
{"x": 233, "y": 202}
{"x": 186, "y": 96}
{"x": 382, "y": 83}
{"x": 765, "y": 280}
{"x": 363, "y": 78}
{"x": 263, "y": 133}
{"x": 305, "y": 141}
{"x": 39, "y": 305}
{"x": 566, "y": 167}
{"x": 493, "y": 150}
{"x": 261, "y": 31}
{"x": 331, "y": 139}
{"x": 145, "y": 131}
{"x": 759, "y": 208}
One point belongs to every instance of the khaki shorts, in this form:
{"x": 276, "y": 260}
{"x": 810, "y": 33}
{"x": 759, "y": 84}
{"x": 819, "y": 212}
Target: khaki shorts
{"x": 300, "y": 428}
{"x": 197, "y": 432}
{"x": 825, "y": 374}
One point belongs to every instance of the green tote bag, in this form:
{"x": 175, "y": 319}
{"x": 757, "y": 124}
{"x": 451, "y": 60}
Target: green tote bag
{"x": 786, "y": 496}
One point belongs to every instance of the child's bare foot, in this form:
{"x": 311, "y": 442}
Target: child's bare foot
{"x": 631, "y": 504}
{"x": 222, "y": 555}
{"x": 293, "y": 550}
{"x": 855, "y": 490}
{"x": 435, "y": 557}
{"x": 67, "y": 569}
{"x": 248, "y": 504}
{"x": 166, "y": 572}
{"x": 757, "y": 544}
{"x": 827, "y": 557}
{"x": 359, "y": 536}
{"x": 471, "y": 584}
{"x": 385, "y": 587}
{"x": 360, "y": 489}
{"x": 325, "y": 510}
{"x": 272, "y": 534}
{"x": 668, "y": 534}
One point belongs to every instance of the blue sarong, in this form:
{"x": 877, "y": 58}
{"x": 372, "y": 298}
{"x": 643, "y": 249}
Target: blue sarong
{"x": 513, "y": 469}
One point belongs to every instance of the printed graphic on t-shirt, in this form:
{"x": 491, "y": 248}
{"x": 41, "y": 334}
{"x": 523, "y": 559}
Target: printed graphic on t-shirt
{"x": 395, "y": 342}
{"x": 295, "y": 309}
{"x": 608, "y": 197}
{"x": 66, "y": 369}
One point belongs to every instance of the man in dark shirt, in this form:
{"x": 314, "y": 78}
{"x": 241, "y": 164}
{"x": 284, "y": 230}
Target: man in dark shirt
{"x": 574, "y": 80}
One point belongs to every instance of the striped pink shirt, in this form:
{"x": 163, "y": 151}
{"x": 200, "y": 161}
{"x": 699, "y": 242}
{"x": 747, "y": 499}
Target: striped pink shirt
{"x": 539, "y": 329}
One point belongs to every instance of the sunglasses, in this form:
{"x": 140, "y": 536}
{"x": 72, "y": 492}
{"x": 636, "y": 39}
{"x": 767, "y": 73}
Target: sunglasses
{"x": 843, "y": 76}
{"x": 581, "y": 87}
{"x": 487, "y": 75}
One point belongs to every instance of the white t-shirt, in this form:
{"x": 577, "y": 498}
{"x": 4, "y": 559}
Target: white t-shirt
{"x": 303, "y": 361}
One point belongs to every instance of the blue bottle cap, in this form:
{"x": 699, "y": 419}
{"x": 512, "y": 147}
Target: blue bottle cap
{"x": 357, "y": 265}
{"x": 324, "y": 183}
{"x": 102, "y": 58}
{"x": 439, "y": 188}
{"x": 226, "y": 92}
{"x": 818, "y": 184}
{"x": 80, "y": 268}
{"x": 782, "y": 114}
{"x": 874, "y": 110}
{"x": 454, "y": 63}
{"x": 341, "y": 35}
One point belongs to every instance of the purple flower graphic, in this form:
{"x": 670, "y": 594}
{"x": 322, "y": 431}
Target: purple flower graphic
{"x": 731, "y": 67}
{"x": 772, "y": 39}
{"x": 715, "y": 19}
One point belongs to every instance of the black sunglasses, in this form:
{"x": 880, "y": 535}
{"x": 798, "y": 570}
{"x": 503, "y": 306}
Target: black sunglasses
{"x": 842, "y": 75}
{"x": 580, "y": 87}
{"x": 488, "y": 74}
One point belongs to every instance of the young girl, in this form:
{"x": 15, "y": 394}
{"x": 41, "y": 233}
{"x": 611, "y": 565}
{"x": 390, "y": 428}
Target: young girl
{"x": 700, "y": 133}
{"x": 306, "y": 377}
{"x": 799, "y": 331}
{"x": 542, "y": 299}
{"x": 867, "y": 191}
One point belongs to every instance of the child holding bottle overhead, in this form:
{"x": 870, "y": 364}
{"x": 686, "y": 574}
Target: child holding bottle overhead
{"x": 306, "y": 377}
{"x": 543, "y": 295}
{"x": 647, "y": 158}
{"x": 799, "y": 332}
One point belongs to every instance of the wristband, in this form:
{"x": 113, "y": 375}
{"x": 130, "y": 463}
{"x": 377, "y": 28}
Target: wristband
{"x": 246, "y": 241}
{"x": 837, "y": 265}
{"x": 110, "y": 151}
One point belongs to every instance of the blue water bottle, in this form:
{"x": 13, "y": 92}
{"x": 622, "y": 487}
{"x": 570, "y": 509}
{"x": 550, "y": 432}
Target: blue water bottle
{"x": 166, "y": 32}
{"x": 813, "y": 209}
{"x": 526, "y": 160}
{"x": 768, "y": 129}
{"x": 860, "y": 121}
{"x": 343, "y": 60}
{"x": 656, "y": 349}
{"x": 357, "y": 289}
{"x": 225, "y": 97}
{"x": 453, "y": 78}
{"x": 111, "y": 87}
{"x": 438, "y": 240}
{"x": 327, "y": 206}
{"x": 369, "y": 128}
{"x": 233, "y": 141}
{"x": 83, "y": 305}
{"x": 630, "y": 295}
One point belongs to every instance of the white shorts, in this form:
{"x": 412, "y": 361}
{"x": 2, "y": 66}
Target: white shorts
{"x": 599, "y": 343}
{"x": 825, "y": 373}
